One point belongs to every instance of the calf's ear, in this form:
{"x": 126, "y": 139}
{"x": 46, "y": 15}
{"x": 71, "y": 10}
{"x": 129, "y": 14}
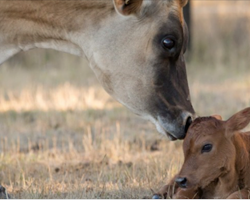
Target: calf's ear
{"x": 217, "y": 117}
{"x": 238, "y": 121}
{"x": 128, "y": 7}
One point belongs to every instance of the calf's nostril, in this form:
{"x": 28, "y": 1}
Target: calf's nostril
{"x": 188, "y": 123}
{"x": 182, "y": 182}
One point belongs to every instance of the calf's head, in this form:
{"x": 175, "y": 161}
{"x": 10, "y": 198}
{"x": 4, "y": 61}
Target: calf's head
{"x": 143, "y": 45}
{"x": 209, "y": 149}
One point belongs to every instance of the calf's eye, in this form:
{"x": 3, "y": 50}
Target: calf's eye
{"x": 206, "y": 148}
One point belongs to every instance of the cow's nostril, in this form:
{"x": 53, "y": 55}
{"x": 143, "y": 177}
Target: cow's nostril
{"x": 188, "y": 123}
{"x": 182, "y": 182}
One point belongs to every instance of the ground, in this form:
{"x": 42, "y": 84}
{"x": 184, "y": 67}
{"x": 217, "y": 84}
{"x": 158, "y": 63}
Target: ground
{"x": 63, "y": 136}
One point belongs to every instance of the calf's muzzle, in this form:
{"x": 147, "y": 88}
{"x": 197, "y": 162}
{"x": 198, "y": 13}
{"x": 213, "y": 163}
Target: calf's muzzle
{"x": 181, "y": 182}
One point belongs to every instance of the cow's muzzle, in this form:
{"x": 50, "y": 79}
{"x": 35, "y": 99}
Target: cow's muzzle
{"x": 175, "y": 128}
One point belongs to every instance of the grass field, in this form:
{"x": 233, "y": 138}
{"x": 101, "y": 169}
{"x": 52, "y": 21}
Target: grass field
{"x": 62, "y": 136}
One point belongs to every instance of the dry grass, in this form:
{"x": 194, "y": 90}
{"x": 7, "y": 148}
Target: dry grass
{"x": 62, "y": 136}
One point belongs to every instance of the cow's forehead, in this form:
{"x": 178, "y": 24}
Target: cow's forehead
{"x": 164, "y": 7}
{"x": 174, "y": 7}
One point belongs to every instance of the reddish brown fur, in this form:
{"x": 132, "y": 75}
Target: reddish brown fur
{"x": 223, "y": 171}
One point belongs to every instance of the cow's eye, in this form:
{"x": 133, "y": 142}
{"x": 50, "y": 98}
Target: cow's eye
{"x": 168, "y": 43}
{"x": 206, "y": 148}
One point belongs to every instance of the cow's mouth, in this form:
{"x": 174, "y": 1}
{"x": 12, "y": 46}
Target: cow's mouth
{"x": 174, "y": 131}
{"x": 171, "y": 137}
{"x": 162, "y": 130}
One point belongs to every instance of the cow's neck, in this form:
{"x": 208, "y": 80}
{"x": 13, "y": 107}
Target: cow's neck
{"x": 59, "y": 24}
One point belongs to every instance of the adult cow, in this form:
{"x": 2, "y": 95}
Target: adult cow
{"x": 135, "y": 48}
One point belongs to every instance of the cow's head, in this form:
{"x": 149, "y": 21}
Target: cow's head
{"x": 210, "y": 150}
{"x": 139, "y": 59}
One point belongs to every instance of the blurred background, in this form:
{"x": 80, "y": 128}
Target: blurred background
{"x": 63, "y": 136}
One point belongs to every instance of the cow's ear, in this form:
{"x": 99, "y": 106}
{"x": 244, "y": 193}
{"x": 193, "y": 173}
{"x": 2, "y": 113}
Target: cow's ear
{"x": 128, "y": 7}
{"x": 217, "y": 117}
{"x": 183, "y": 2}
{"x": 238, "y": 121}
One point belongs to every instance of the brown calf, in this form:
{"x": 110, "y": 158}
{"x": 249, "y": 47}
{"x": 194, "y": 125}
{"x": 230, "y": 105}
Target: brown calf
{"x": 217, "y": 160}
